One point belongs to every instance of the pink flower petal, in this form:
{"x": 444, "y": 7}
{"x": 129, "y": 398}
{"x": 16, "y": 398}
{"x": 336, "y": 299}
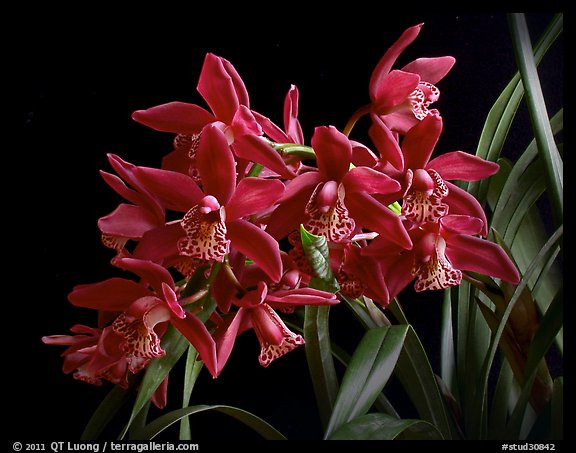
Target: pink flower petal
{"x": 257, "y": 245}
{"x": 113, "y": 294}
{"x": 369, "y": 213}
{"x": 177, "y": 117}
{"x": 463, "y": 203}
{"x": 420, "y": 141}
{"x": 159, "y": 243}
{"x": 479, "y": 255}
{"x": 389, "y": 58}
{"x": 252, "y": 196}
{"x": 463, "y": 166}
{"x": 217, "y": 88}
{"x": 333, "y": 152}
{"x": 291, "y": 123}
{"x": 254, "y": 149}
{"x": 431, "y": 70}
{"x": 367, "y": 180}
{"x": 394, "y": 90}
{"x": 153, "y": 274}
{"x": 386, "y": 143}
{"x": 197, "y": 334}
{"x": 128, "y": 221}
{"x": 176, "y": 191}
{"x": 460, "y": 224}
{"x": 216, "y": 164}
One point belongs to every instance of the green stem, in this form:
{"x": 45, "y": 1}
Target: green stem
{"x": 354, "y": 119}
{"x": 538, "y": 114}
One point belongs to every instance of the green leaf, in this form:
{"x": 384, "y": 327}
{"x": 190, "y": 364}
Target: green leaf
{"x": 549, "y": 327}
{"x": 547, "y": 148}
{"x": 371, "y": 365}
{"x": 319, "y": 356}
{"x": 263, "y": 428}
{"x": 175, "y": 345}
{"x": 105, "y": 412}
{"x": 191, "y": 373}
{"x": 420, "y": 383}
{"x": 557, "y": 419}
{"x": 384, "y": 427}
{"x": 502, "y": 113}
{"x": 316, "y": 250}
{"x": 415, "y": 373}
{"x": 480, "y": 395}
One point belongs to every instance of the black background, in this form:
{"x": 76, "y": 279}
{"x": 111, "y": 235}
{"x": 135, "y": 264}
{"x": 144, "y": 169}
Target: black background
{"x": 77, "y": 77}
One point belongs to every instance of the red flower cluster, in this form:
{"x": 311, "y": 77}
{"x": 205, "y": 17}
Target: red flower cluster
{"x": 209, "y": 222}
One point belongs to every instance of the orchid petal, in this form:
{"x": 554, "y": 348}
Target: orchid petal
{"x": 225, "y": 336}
{"x": 368, "y": 271}
{"x": 362, "y": 155}
{"x": 398, "y": 272}
{"x": 271, "y": 129}
{"x": 160, "y": 396}
{"x": 479, "y": 255}
{"x": 371, "y": 214}
{"x": 159, "y": 243}
{"x": 463, "y": 166}
{"x": 291, "y": 123}
{"x": 197, "y": 334}
{"x": 304, "y": 183}
{"x": 253, "y": 195}
{"x": 301, "y": 297}
{"x": 128, "y": 221}
{"x": 400, "y": 121}
{"x": 462, "y": 202}
{"x": 218, "y": 89}
{"x": 420, "y": 141}
{"x": 177, "y": 117}
{"x": 389, "y": 58}
{"x": 394, "y": 90}
{"x": 333, "y": 152}
{"x": 239, "y": 87}
{"x": 254, "y": 149}
{"x": 216, "y": 164}
{"x": 153, "y": 274}
{"x": 175, "y": 190}
{"x": 461, "y": 224}
{"x": 367, "y": 180}
{"x": 122, "y": 189}
{"x": 244, "y": 123}
{"x": 287, "y": 216}
{"x": 431, "y": 70}
{"x": 113, "y": 294}
{"x": 386, "y": 143}
{"x": 257, "y": 245}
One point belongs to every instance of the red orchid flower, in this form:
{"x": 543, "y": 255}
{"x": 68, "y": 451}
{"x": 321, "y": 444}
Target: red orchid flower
{"x": 256, "y": 310}
{"x": 215, "y": 216}
{"x": 142, "y": 310}
{"x": 225, "y": 93}
{"x": 426, "y": 191}
{"x": 336, "y": 200}
{"x": 441, "y": 251}
{"x": 401, "y": 98}
{"x": 129, "y": 221}
{"x": 94, "y": 354}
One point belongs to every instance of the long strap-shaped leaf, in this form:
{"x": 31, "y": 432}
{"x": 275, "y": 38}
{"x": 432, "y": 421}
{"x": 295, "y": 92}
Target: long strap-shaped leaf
{"x": 537, "y": 109}
{"x": 503, "y": 111}
{"x": 480, "y": 397}
{"x": 372, "y": 363}
{"x": 549, "y": 327}
{"x": 384, "y": 427}
{"x": 262, "y": 427}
